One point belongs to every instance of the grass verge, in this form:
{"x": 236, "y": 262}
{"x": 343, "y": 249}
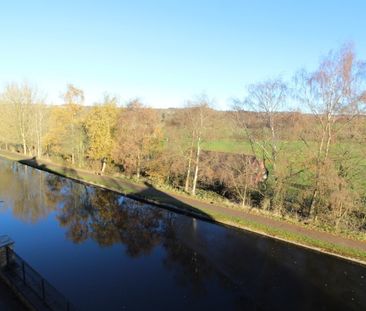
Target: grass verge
{"x": 132, "y": 190}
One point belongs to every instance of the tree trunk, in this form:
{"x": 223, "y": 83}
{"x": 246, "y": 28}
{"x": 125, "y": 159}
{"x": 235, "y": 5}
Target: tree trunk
{"x": 38, "y": 127}
{"x": 39, "y": 147}
{"x": 138, "y": 168}
{"x": 319, "y": 161}
{"x": 244, "y": 196}
{"x": 81, "y": 152}
{"x": 24, "y": 146}
{"x": 73, "y": 142}
{"x": 196, "y": 169}
{"x": 339, "y": 218}
{"x": 274, "y": 143}
{"x": 328, "y": 141}
{"x": 186, "y": 188}
{"x": 313, "y": 210}
{"x": 104, "y": 164}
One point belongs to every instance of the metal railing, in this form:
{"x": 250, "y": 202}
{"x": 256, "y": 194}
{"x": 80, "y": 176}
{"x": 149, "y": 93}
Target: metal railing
{"x": 23, "y": 275}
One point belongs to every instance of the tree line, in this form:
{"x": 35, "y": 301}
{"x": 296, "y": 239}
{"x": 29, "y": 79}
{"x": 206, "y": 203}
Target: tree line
{"x": 315, "y": 153}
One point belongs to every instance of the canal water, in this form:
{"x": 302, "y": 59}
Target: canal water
{"x": 107, "y": 252}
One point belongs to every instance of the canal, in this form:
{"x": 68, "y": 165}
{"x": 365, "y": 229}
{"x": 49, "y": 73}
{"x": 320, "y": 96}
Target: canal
{"x": 107, "y": 252}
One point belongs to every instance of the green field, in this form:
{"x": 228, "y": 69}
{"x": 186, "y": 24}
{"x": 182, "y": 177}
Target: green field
{"x": 228, "y": 145}
{"x": 297, "y": 152}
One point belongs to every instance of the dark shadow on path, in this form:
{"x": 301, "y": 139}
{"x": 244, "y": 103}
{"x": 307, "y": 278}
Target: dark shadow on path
{"x": 158, "y": 197}
{"x": 146, "y": 194}
{"x": 65, "y": 171}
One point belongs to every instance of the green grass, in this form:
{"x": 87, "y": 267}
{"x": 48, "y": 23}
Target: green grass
{"x": 291, "y": 237}
{"x": 297, "y": 152}
{"x": 227, "y": 145}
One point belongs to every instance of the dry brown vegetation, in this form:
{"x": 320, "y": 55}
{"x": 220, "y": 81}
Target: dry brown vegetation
{"x": 315, "y": 155}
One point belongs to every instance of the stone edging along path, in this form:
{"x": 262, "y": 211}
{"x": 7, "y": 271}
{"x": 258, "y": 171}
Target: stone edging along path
{"x": 194, "y": 207}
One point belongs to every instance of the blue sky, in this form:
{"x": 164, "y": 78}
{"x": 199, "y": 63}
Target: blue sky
{"x": 166, "y": 52}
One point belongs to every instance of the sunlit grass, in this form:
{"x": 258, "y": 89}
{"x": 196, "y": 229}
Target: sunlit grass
{"x": 297, "y": 152}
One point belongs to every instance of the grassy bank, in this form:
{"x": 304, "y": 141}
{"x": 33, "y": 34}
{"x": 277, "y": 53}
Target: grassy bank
{"x": 204, "y": 210}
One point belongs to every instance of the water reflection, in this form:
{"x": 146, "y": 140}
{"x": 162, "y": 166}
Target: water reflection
{"x": 212, "y": 266}
{"x": 26, "y": 194}
{"x": 104, "y": 217}
{"x": 109, "y": 218}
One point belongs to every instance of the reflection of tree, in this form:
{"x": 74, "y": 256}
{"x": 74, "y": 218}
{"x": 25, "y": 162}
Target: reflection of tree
{"x": 25, "y": 189}
{"x": 104, "y": 217}
{"x": 75, "y": 210}
{"x": 140, "y": 227}
{"x": 108, "y": 218}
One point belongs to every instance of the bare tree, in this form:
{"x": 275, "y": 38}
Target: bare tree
{"x": 7, "y": 127}
{"x": 265, "y": 100}
{"x": 198, "y": 119}
{"x": 20, "y": 100}
{"x": 234, "y": 174}
{"x": 39, "y": 125}
{"x": 335, "y": 95}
